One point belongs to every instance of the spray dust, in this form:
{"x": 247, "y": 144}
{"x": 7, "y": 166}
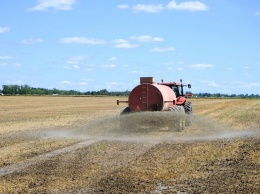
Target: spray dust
{"x": 153, "y": 127}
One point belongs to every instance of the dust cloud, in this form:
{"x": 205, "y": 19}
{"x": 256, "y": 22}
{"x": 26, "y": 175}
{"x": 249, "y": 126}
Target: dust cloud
{"x": 152, "y": 127}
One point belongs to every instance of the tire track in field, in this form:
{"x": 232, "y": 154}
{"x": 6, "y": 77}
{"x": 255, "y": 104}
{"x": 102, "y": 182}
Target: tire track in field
{"x": 20, "y": 166}
{"x": 87, "y": 163}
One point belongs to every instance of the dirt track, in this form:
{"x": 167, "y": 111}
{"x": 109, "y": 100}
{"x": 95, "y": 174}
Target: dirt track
{"x": 83, "y": 151}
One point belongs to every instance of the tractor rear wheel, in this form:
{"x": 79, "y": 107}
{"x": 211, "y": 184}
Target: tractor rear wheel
{"x": 188, "y": 107}
{"x": 178, "y": 122}
{"x": 188, "y": 111}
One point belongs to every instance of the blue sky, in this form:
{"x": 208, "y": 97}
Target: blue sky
{"x": 92, "y": 45}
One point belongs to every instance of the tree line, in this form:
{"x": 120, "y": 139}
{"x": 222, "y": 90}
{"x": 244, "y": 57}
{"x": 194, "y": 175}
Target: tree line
{"x": 27, "y": 90}
{"x": 219, "y": 95}
{"x": 13, "y": 90}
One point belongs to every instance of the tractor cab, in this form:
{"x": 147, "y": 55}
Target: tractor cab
{"x": 176, "y": 87}
{"x": 178, "y": 90}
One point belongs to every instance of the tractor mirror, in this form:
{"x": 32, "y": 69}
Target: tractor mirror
{"x": 189, "y": 85}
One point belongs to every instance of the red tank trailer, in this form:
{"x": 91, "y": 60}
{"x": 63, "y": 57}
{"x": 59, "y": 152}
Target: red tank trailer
{"x": 151, "y": 96}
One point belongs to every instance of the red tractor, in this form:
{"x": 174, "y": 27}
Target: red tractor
{"x": 153, "y": 97}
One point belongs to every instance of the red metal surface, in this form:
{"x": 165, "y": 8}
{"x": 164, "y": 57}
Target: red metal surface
{"x": 151, "y": 97}
{"x": 180, "y": 100}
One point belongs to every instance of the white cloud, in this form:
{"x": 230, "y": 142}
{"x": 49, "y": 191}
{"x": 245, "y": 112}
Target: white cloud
{"x": 125, "y": 45}
{"x": 75, "y": 60}
{"x": 82, "y": 40}
{"x": 72, "y": 67}
{"x": 257, "y": 14}
{"x": 136, "y": 72}
{"x": 32, "y": 41}
{"x": 83, "y": 84}
{"x": 149, "y": 8}
{"x": 66, "y": 82}
{"x": 171, "y": 64}
{"x": 108, "y": 66}
{"x": 123, "y": 6}
{"x": 10, "y": 64}
{"x": 167, "y": 49}
{"x": 120, "y": 41}
{"x": 155, "y": 8}
{"x": 55, "y": 4}
{"x": 189, "y": 5}
{"x": 4, "y": 29}
{"x": 201, "y": 66}
{"x": 146, "y": 38}
{"x": 113, "y": 59}
{"x": 247, "y": 67}
{"x": 5, "y": 57}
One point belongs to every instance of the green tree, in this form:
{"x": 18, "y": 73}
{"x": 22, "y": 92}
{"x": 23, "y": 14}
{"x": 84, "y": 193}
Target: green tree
{"x": 25, "y": 89}
{"x": 10, "y": 89}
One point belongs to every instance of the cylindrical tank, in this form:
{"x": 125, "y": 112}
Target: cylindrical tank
{"x": 151, "y": 97}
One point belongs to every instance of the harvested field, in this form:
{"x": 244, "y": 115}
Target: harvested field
{"x": 76, "y": 145}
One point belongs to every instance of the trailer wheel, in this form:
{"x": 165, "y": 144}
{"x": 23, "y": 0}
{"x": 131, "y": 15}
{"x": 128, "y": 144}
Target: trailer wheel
{"x": 126, "y": 110}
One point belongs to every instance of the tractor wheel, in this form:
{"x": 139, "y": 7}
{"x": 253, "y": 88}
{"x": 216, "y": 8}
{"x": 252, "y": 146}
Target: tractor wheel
{"x": 176, "y": 109}
{"x": 188, "y": 107}
{"x": 178, "y": 122}
{"x": 188, "y": 111}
